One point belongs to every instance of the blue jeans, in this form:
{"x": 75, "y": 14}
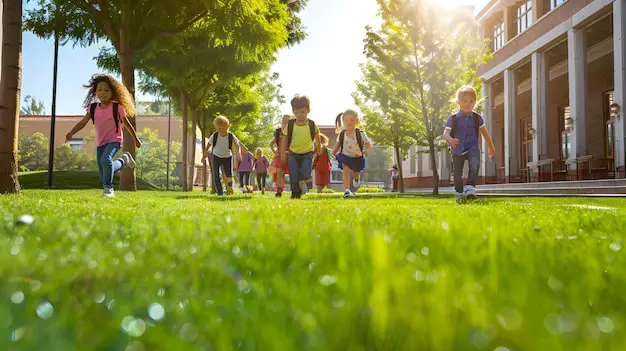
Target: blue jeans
{"x": 107, "y": 167}
{"x": 473, "y": 158}
{"x": 226, "y": 165}
{"x": 300, "y": 167}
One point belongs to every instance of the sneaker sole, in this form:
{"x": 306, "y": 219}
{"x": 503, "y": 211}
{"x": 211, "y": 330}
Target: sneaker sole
{"x": 131, "y": 162}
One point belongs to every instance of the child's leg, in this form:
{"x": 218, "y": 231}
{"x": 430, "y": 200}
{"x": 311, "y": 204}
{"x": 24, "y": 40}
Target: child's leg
{"x": 110, "y": 166}
{"x": 459, "y": 163}
{"x": 294, "y": 178}
{"x": 320, "y": 188}
{"x": 280, "y": 179}
{"x": 306, "y": 166}
{"x": 261, "y": 184}
{"x": 99, "y": 152}
{"x": 228, "y": 175}
{"x": 346, "y": 176}
{"x": 473, "y": 158}
{"x": 216, "y": 175}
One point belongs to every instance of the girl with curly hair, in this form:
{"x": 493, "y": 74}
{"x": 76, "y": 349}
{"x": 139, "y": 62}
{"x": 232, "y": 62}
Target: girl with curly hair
{"x": 108, "y": 116}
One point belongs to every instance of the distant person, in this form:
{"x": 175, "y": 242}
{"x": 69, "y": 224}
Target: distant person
{"x": 244, "y": 163}
{"x": 461, "y": 133}
{"x": 350, "y": 150}
{"x": 300, "y": 133}
{"x": 222, "y": 146}
{"x": 395, "y": 177}
{"x": 261, "y": 164}
{"x": 322, "y": 165}
{"x": 282, "y": 168}
{"x": 108, "y": 104}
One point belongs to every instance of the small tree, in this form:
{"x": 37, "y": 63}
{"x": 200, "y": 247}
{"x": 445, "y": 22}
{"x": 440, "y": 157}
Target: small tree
{"x": 152, "y": 158}
{"x": 33, "y": 152}
{"x": 32, "y": 107}
{"x": 66, "y": 159}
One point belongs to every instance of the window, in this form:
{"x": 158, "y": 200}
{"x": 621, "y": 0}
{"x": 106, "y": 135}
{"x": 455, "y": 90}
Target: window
{"x": 555, "y": 3}
{"x": 609, "y": 121}
{"x": 498, "y": 36}
{"x": 336, "y": 174}
{"x": 77, "y": 144}
{"x": 527, "y": 141}
{"x": 524, "y": 16}
{"x": 565, "y": 132}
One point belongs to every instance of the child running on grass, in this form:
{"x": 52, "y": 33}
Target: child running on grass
{"x": 462, "y": 131}
{"x": 300, "y": 133}
{"x": 261, "y": 164}
{"x": 351, "y": 147}
{"x": 108, "y": 116}
{"x": 282, "y": 168}
{"x": 222, "y": 145}
{"x": 244, "y": 164}
{"x": 322, "y": 165}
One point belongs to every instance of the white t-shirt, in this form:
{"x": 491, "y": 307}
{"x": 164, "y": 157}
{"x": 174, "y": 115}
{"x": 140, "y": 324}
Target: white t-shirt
{"x": 350, "y": 145}
{"x": 221, "y": 148}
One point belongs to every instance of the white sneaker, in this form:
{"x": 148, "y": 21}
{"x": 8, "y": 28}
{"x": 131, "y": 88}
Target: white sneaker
{"x": 356, "y": 182}
{"x": 347, "y": 194}
{"x": 128, "y": 160}
{"x": 108, "y": 192}
{"x": 470, "y": 191}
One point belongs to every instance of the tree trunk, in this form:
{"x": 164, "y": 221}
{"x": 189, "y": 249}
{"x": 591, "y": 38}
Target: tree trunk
{"x": 433, "y": 164}
{"x": 204, "y": 168}
{"x": 185, "y": 140}
{"x": 10, "y": 90}
{"x": 127, "y": 175}
{"x": 399, "y": 160}
{"x": 192, "y": 148}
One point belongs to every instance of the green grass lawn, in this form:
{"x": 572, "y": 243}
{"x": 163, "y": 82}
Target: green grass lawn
{"x": 71, "y": 180}
{"x": 174, "y": 271}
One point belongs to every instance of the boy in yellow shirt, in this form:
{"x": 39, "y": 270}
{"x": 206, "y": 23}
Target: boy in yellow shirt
{"x": 300, "y": 134}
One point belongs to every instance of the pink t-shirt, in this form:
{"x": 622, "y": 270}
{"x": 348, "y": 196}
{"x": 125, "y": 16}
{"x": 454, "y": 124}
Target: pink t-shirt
{"x": 105, "y": 124}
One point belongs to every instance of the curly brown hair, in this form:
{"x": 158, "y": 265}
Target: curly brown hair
{"x": 119, "y": 94}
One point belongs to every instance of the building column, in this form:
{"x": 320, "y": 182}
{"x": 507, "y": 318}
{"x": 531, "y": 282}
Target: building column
{"x": 538, "y": 10}
{"x": 511, "y": 125}
{"x": 488, "y": 165}
{"x": 619, "y": 62}
{"x": 509, "y": 23}
{"x": 577, "y": 71}
{"x": 539, "y": 107}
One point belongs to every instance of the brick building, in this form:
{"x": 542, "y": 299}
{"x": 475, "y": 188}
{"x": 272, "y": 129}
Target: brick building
{"x": 556, "y": 86}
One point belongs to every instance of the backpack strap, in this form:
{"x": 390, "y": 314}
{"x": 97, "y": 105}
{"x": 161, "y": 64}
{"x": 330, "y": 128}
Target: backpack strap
{"x": 455, "y": 123}
{"x": 231, "y": 137}
{"x": 92, "y": 111}
{"x": 214, "y": 136}
{"x": 116, "y": 117}
{"x": 290, "y": 131}
{"x": 312, "y": 129}
{"x": 342, "y": 136}
{"x": 359, "y": 139}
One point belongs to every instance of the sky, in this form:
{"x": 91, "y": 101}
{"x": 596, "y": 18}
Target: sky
{"x": 323, "y": 67}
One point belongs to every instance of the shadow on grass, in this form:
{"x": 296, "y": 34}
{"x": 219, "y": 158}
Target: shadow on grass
{"x": 72, "y": 180}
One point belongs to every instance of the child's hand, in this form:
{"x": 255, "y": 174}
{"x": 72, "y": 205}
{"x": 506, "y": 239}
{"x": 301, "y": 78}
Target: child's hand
{"x": 366, "y": 153}
{"x": 68, "y": 136}
{"x": 492, "y": 153}
{"x": 455, "y": 142}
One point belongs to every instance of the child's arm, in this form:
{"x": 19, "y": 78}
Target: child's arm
{"x": 283, "y": 149}
{"x": 131, "y": 131}
{"x": 318, "y": 144}
{"x": 272, "y": 146}
{"x": 454, "y": 142}
{"x": 485, "y": 133}
{"x": 78, "y": 127}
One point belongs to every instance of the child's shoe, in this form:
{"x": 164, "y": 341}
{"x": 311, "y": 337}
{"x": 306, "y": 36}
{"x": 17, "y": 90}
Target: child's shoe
{"x": 470, "y": 192}
{"x": 356, "y": 182}
{"x": 108, "y": 192}
{"x": 128, "y": 160}
{"x": 347, "y": 194}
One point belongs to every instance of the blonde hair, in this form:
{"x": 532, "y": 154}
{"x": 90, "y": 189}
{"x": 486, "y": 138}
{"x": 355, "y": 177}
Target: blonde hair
{"x": 324, "y": 139}
{"x": 466, "y": 90}
{"x": 339, "y": 120}
{"x": 258, "y": 150}
{"x": 221, "y": 120}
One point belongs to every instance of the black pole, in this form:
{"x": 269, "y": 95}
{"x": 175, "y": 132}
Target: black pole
{"x": 54, "y": 111}
{"x": 169, "y": 127}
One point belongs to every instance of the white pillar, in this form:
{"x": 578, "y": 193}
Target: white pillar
{"x": 577, "y": 70}
{"x": 539, "y": 112}
{"x": 511, "y": 137}
{"x": 619, "y": 57}
{"x": 488, "y": 164}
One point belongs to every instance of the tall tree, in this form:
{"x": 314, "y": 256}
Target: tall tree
{"x": 32, "y": 107}
{"x": 421, "y": 46}
{"x": 10, "y": 89}
{"x": 389, "y": 112}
